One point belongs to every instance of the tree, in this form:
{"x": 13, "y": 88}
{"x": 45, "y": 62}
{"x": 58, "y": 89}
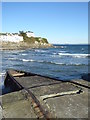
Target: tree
{"x": 22, "y": 33}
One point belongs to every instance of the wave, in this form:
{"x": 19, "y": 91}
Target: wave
{"x": 55, "y": 53}
{"x": 12, "y": 58}
{"x": 30, "y": 60}
{"x": 23, "y": 54}
{"x": 59, "y": 46}
{"x": 40, "y": 51}
{"x": 63, "y": 46}
{"x": 51, "y": 62}
{"x": 63, "y": 51}
{"x": 25, "y": 60}
{"x": 74, "y": 55}
{"x": 40, "y": 61}
{"x": 67, "y": 64}
{"x": 2, "y": 74}
{"x": 76, "y": 64}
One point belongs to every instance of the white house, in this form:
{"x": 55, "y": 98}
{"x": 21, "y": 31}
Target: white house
{"x": 11, "y": 38}
{"x": 14, "y": 37}
{"x": 30, "y": 34}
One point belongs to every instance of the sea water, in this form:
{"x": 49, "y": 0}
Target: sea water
{"x": 64, "y": 62}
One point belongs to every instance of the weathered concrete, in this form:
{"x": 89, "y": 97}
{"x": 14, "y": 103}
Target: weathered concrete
{"x": 0, "y": 108}
{"x": 69, "y": 106}
{"x": 0, "y": 112}
{"x": 17, "y": 105}
{"x": 43, "y": 97}
{"x": 35, "y": 81}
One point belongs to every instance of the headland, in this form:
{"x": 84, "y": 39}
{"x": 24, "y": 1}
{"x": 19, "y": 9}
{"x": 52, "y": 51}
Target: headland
{"x": 22, "y": 40}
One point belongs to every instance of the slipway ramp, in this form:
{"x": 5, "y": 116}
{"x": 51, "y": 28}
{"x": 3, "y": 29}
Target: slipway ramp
{"x": 36, "y": 96}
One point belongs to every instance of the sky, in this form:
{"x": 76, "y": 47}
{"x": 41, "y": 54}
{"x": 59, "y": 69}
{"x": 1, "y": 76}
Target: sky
{"x": 59, "y": 22}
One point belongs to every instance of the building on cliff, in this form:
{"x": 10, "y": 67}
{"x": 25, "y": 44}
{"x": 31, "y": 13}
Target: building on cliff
{"x": 10, "y": 37}
{"x": 14, "y": 37}
{"x": 30, "y": 34}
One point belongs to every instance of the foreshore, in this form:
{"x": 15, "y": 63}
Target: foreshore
{"x": 22, "y": 45}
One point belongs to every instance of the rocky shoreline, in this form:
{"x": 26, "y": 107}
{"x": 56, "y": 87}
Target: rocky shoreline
{"x": 22, "y": 45}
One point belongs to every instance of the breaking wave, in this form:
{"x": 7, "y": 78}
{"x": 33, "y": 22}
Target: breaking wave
{"x": 2, "y": 74}
{"x": 74, "y": 55}
{"x": 40, "y": 51}
{"x": 25, "y": 60}
{"x": 51, "y": 62}
{"x": 23, "y": 54}
{"x": 1, "y": 79}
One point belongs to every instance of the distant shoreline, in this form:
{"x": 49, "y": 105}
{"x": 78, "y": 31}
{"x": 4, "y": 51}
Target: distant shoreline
{"x": 70, "y": 44}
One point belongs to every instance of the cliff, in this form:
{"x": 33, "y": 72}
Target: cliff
{"x": 22, "y": 45}
{"x": 28, "y": 42}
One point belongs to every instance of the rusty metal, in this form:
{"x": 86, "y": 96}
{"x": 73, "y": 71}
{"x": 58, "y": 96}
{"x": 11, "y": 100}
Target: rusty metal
{"x": 41, "y": 112}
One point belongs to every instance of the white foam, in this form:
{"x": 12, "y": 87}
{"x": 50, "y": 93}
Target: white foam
{"x": 62, "y": 46}
{"x": 54, "y": 53}
{"x": 74, "y": 55}
{"x": 23, "y": 54}
{"x": 41, "y": 61}
{"x": 1, "y": 79}
{"x": 40, "y": 51}
{"x": 31, "y": 60}
{"x": 51, "y": 62}
{"x": 12, "y": 58}
{"x": 25, "y": 60}
{"x": 63, "y": 51}
{"x": 75, "y": 64}
{"x": 57, "y": 63}
{"x": 2, "y": 74}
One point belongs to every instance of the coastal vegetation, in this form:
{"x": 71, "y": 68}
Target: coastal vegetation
{"x": 32, "y": 39}
{"x": 2, "y": 33}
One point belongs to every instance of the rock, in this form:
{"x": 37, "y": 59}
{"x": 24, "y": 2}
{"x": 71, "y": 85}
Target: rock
{"x": 23, "y": 45}
{"x": 86, "y": 77}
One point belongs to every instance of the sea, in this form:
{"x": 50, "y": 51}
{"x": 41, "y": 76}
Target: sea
{"x": 64, "y": 62}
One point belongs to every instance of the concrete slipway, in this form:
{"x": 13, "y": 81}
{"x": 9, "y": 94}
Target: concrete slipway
{"x": 35, "y": 96}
